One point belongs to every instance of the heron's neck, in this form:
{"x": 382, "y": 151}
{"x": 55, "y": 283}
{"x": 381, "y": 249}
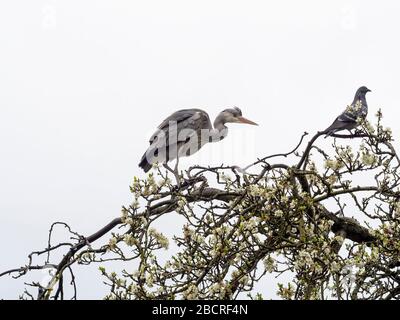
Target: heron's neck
{"x": 219, "y": 131}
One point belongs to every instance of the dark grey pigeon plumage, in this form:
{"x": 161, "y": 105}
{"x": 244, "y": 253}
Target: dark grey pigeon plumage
{"x": 348, "y": 119}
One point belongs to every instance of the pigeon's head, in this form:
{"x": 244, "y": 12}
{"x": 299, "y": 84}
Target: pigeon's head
{"x": 234, "y": 115}
{"x": 362, "y": 91}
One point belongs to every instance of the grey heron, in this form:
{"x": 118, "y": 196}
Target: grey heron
{"x": 186, "y": 131}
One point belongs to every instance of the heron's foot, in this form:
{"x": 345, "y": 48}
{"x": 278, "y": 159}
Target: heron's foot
{"x": 175, "y": 172}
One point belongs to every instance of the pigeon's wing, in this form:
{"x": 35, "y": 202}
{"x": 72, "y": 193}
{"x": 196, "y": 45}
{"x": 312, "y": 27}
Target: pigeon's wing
{"x": 347, "y": 120}
{"x": 347, "y": 117}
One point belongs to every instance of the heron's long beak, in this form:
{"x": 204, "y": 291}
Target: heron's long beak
{"x": 244, "y": 120}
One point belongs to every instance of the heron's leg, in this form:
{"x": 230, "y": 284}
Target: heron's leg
{"x": 176, "y": 165}
{"x": 174, "y": 172}
{"x": 166, "y": 166}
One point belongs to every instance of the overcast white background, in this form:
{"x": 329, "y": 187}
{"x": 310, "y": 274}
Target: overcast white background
{"x": 84, "y": 83}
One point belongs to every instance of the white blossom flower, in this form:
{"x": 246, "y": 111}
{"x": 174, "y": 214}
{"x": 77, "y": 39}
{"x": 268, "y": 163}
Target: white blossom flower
{"x": 334, "y": 266}
{"x": 124, "y": 215}
{"x": 181, "y": 203}
{"x": 155, "y": 165}
{"x": 387, "y": 131}
{"x": 133, "y": 288}
{"x": 112, "y": 243}
{"x": 191, "y": 293}
{"x": 256, "y": 190}
{"x": 278, "y": 213}
{"x": 338, "y": 239}
{"x": 327, "y": 250}
{"x": 332, "y": 179}
{"x": 129, "y": 221}
{"x": 333, "y": 164}
{"x": 135, "y": 204}
{"x": 129, "y": 239}
{"x": 368, "y": 159}
{"x": 269, "y": 264}
{"x": 160, "y": 238}
{"x": 149, "y": 280}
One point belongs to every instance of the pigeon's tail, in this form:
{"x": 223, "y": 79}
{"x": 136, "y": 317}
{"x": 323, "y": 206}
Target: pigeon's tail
{"x": 334, "y": 127}
{"x": 328, "y": 132}
{"x": 144, "y": 163}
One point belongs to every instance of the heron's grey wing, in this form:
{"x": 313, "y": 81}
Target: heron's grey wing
{"x": 172, "y": 136}
{"x": 168, "y": 138}
{"x": 163, "y": 128}
{"x": 178, "y": 116}
{"x": 191, "y": 136}
{"x": 183, "y": 119}
{"x": 189, "y": 126}
{"x": 159, "y": 141}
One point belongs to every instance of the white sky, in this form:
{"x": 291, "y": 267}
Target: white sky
{"x": 84, "y": 83}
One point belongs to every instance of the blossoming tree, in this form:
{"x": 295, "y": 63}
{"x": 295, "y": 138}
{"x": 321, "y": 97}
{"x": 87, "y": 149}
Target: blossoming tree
{"x": 326, "y": 221}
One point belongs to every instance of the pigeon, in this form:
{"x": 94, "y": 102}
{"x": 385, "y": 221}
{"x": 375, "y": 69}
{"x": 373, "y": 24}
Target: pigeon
{"x": 348, "y": 119}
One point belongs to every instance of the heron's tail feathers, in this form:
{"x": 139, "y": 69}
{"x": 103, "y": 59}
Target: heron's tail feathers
{"x": 144, "y": 164}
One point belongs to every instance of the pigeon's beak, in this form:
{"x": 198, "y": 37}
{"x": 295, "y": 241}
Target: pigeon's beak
{"x": 369, "y": 90}
{"x": 244, "y": 120}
